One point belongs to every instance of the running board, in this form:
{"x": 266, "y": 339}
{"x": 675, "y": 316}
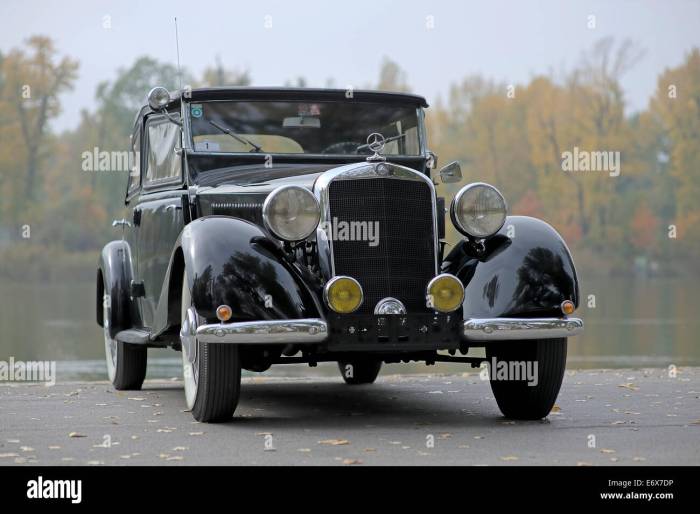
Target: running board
{"x": 134, "y": 336}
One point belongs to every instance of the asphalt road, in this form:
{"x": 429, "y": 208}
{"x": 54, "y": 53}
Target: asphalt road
{"x": 619, "y": 417}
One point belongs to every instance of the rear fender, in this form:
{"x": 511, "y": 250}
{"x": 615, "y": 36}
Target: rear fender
{"x": 113, "y": 281}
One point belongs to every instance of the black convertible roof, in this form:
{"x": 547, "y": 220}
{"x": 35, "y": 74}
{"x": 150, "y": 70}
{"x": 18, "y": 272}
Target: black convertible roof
{"x": 290, "y": 94}
{"x": 294, "y": 93}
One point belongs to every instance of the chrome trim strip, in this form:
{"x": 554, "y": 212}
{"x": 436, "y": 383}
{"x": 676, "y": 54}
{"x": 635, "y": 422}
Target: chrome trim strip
{"x": 359, "y": 171}
{"x": 509, "y": 329}
{"x": 288, "y": 331}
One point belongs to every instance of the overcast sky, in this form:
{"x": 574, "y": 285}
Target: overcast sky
{"x": 508, "y": 41}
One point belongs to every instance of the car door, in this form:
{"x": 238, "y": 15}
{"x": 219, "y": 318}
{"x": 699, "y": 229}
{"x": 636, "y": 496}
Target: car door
{"x": 130, "y": 232}
{"x": 158, "y": 217}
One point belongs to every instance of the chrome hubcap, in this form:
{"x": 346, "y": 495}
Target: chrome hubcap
{"x": 188, "y": 340}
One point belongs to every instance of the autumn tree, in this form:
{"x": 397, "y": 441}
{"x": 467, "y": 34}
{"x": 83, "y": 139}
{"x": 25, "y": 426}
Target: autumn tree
{"x": 676, "y": 108}
{"x": 219, "y": 76}
{"x": 34, "y": 79}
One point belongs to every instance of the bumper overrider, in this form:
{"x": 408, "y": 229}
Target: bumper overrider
{"x": 315, "y": 330}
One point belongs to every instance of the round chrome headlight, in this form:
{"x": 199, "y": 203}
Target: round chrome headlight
{"x": 478, "y": 210}
{"x": 291, "y": 213}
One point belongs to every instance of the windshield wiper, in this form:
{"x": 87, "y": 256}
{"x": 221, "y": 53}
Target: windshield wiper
{"x": 387, "y": 140}
{"x": 235, "y": 136}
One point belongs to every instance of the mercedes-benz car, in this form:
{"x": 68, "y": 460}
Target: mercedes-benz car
{"x": 280, "y": 225}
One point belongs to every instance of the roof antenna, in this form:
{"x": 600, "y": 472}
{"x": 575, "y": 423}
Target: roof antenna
{"x": 177, "y": 46}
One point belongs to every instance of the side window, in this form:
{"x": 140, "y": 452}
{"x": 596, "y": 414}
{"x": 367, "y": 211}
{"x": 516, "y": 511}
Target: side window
{"x": 163, "y": 165}
{"x": 134, "y": 164}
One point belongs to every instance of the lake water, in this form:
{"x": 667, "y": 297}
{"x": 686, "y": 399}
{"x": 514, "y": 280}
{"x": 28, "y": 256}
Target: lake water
{"x": 634, "y": 323}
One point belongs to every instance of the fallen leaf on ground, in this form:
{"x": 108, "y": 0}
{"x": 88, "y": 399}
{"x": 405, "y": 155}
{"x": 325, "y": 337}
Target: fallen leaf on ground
{"x": 334, "y": 442}
{"x": 351, "y": 462}
{"x": 76, "y": 434}
{"x": 509, "y": 457}
{"x": 606, "y": 450}
{"x": 629, "y": 386}
{"x": 137, "y": 399}
{"x": 556, "y": 408}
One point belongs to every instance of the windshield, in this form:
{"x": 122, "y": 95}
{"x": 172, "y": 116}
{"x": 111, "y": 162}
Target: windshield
{"x": 332, "y": 128}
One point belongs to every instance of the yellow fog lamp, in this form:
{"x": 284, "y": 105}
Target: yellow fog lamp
{"x": 445, "y": 293}
{"x": 343, "y": 294}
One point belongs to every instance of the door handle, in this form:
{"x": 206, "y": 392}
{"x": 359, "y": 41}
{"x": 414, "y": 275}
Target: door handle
{"x": 121, "y": 223}
{"x": 137, "y": 217}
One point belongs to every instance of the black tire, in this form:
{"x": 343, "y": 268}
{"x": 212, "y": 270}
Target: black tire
{"x": 131, "y": 367}
{"x": 213, "y": 391}
{"x": 127, "y": 369}
{"x": 359, "y": 371}
{"x": 219, "y": 383}
{"x": 516, "y": 398}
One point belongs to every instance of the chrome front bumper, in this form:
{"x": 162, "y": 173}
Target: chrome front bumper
{"x": 288, "y": 331}
{"x": 314, "y": 331}
{"x": 508, "y": 329}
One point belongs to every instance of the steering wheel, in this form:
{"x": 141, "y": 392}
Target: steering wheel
{"x": 342, "y": 147}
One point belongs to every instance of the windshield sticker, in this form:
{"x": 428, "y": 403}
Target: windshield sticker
{"x": 196, "y": 110}
{"x": 206, "y": 146}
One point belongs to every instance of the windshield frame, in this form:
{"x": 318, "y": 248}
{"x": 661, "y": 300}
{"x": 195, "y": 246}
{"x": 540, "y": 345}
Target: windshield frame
{"x": 190, "y": 148}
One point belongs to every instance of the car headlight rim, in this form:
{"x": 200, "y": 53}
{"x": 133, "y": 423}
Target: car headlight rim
{"x": 285, "y": 229}
{"x": 472, "y": 231}
{"x": 436, "y": 300}
{"x": 334, "y": 283}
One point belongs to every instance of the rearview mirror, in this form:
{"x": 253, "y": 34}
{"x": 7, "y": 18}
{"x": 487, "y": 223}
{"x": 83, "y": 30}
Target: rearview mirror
{"x": 451, "y": 173}
{"x": 301, "y": 122}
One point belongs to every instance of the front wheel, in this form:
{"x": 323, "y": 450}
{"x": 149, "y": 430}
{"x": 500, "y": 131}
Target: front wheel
{"x": 211, "y": 371}
{"x": 526, "y": 376}
{"x": 360, "y": 371}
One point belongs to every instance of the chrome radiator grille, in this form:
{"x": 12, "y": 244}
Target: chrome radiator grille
{"x": 400, "y": 260}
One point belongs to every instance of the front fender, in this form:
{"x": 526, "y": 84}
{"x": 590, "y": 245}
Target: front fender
{"x": 231, "y": 261}
{"x": 525, "y": 271}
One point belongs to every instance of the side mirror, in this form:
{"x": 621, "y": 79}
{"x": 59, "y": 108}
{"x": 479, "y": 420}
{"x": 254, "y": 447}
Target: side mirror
{"x": 451, "y": 173}
{"x": 158, "y": 97}
{"x": 431, "y": 160}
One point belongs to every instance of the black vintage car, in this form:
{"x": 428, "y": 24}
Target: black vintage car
{"x": 272, "y": 226}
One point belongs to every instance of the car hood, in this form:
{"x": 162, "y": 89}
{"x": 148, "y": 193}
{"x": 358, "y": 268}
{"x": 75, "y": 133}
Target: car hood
{"x": 260, "y": 179}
